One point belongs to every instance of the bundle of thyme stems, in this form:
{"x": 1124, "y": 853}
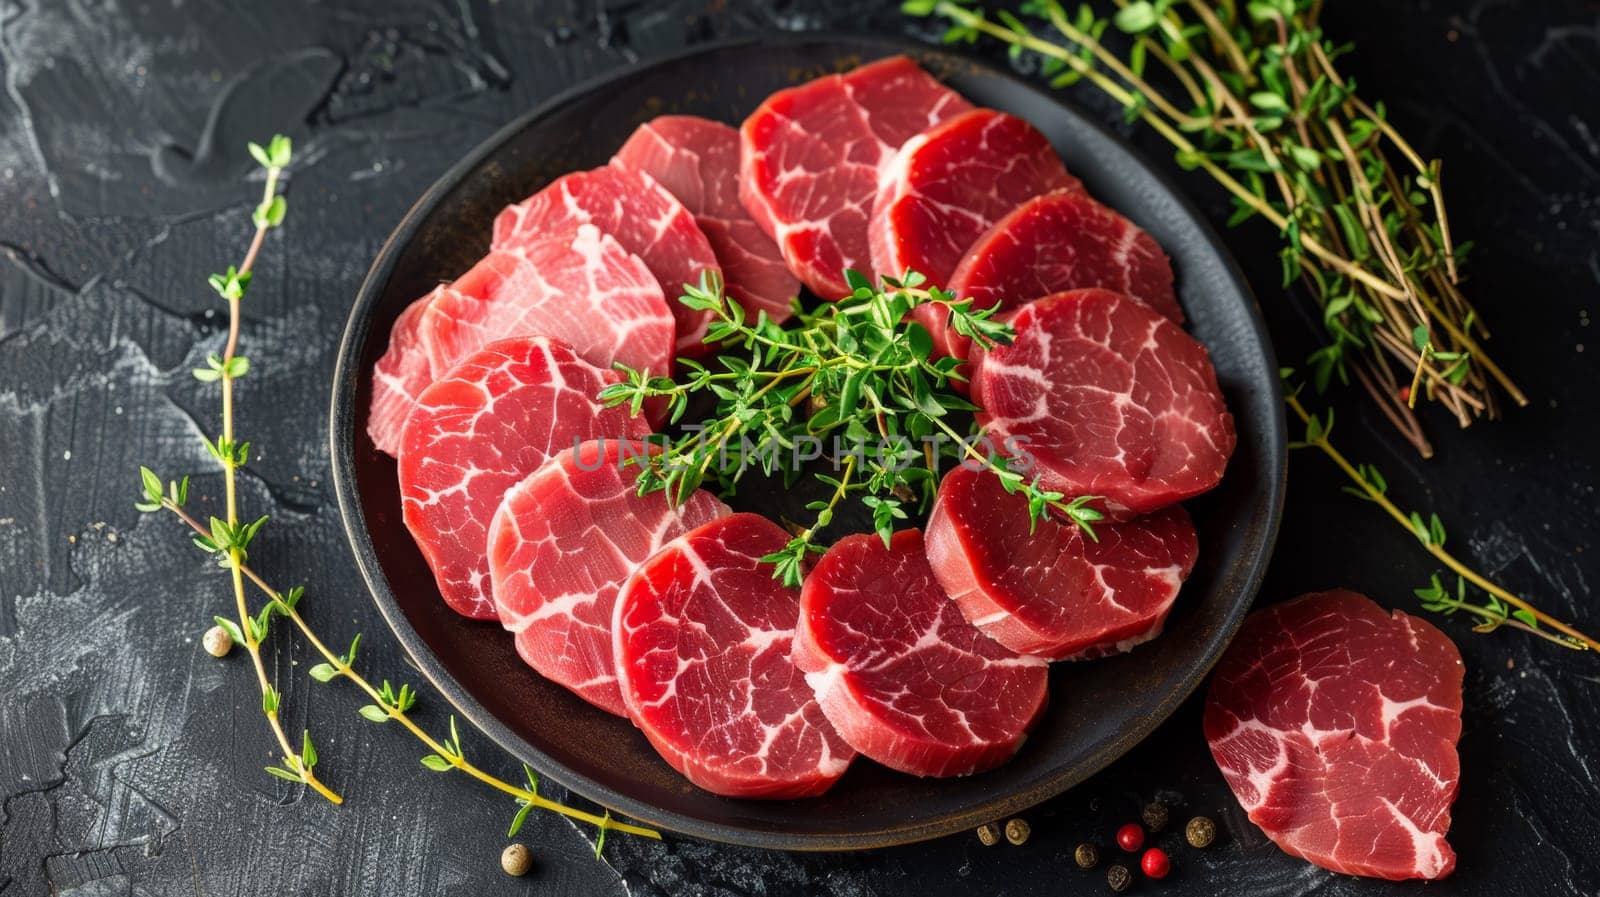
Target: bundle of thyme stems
{"x": 228, "y": 540}
{"x": 1249, "y": 93}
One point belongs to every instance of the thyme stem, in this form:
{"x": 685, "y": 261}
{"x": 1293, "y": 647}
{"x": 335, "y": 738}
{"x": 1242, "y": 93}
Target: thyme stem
{"x": 1319, "y": 439}
{"x": 1495, "y": 620}
{"x": 345, "y": 668}
{"x": 294, "y": 760}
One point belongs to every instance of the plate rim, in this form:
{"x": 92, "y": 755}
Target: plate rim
{"x": 341, "y": 438}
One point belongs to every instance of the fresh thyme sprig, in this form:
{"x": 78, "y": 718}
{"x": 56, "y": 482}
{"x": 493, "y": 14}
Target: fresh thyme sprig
{"x": 1249, "y": 93}
{"x": 389, "y": 703}
{"x": 1501, "y": 607}
{"x": 229, "y": 539}
{"x": 854, "y": 371}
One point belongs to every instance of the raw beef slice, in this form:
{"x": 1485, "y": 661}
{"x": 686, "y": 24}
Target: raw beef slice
{"x": 642, "y": 217}
{"x": 1335, "y": 723}
{"x": 702, "y": 635}
{"x": 560, "y": 547}
{"x": 480, "y": 429}
{"x": 1063, "y": 240}
{"x": 697, "y": 161}
{"x": 948, "y": 185}
{"x": 581, "y": 288}
{"x": 1051, "y": 590}
{"x": 1103, "y": 396}
{"x": 399, "y": 377}
{"x": 811, "y": 156}
{"x": 900, "y": 672}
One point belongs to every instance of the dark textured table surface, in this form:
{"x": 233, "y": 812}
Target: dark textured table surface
{"x": 130, "y": 761}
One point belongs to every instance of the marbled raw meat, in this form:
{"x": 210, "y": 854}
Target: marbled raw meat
{"x": 1335, "y": 723}
{"x": 399, "y": 376}
{"x": 900, "y": 673}
{"x": 478, "y": 431}
{"x": 561, "y": 545}
{"x": 1048, "y": 589}
{"x": 947, "y": 186}
{"x": 1064, "y": 240}
{"x": 702, "y": 641}
{"x": 697, "y": 161}
{"x": 811, "y": 156}
{"x": 581, "y": 288}
{"x": 1101, "y": 395}
{"x": 640, "y": 215}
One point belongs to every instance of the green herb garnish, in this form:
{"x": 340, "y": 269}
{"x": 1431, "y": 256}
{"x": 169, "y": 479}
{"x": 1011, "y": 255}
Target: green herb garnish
{"x": 1500, "y": 607}
{"x": 857, "y": 371}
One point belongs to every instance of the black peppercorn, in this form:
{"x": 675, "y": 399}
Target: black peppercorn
{"x": 989, "y": 834}
{"x": 1200, "y": 831}
{"x": 1155, "y": 816}
{"x": 1119, "y": 877}
{"x": 1087, "y": 856}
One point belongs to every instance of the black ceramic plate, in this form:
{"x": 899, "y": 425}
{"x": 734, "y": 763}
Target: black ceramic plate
{"x": 1098, "y": 710}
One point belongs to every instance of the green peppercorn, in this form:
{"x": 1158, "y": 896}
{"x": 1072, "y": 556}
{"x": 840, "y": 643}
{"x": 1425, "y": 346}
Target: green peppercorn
{"x": 1155, "y": 816}
{"x": 1017, "y": 831}
{"x": 1087, "y": 856}
{"x": 1200, "y": 831}
{"x": 516, "y": 860}
{"x": 1119, "y": 877}
{"x": 989, "y": 834}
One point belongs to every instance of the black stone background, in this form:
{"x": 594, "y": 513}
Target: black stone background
{"x": 130, "y": 761}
